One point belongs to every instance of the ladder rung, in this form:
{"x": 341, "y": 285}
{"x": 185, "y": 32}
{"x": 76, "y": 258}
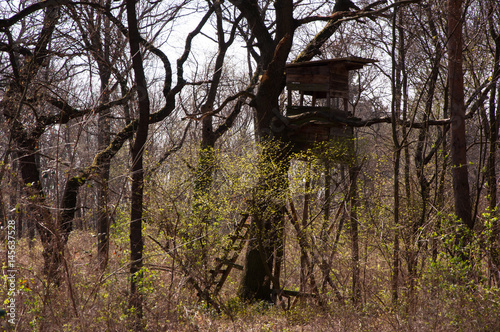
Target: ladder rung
{"x": 229, "y": 263}
{"x": 238, "y": 267}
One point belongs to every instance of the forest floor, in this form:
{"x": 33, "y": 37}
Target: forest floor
{"x": 88, "y": 300}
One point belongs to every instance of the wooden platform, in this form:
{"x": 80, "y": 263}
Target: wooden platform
{"x": 318, "y": 106}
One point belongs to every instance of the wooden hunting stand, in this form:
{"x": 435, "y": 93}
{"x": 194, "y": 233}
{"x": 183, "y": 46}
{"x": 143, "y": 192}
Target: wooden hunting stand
{"x": 317, "y": 108}
{"x": 320, "y": 126}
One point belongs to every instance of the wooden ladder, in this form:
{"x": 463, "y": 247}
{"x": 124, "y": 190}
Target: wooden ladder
{"x": 227, "y": 262}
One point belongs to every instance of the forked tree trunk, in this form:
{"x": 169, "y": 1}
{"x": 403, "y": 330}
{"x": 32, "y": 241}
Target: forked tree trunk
{"x": 269, "y": 201}
{"x": 274, "y": 52}
{"x": 26, "y": 143}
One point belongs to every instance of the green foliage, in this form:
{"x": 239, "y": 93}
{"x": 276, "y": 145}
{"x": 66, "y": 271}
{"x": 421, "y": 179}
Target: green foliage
{"x": 192, "y": 226}
{"x": 463, "y": 251}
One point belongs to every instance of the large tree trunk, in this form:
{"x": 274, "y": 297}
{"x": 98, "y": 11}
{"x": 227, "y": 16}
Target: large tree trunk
{"x": 26, "y": 143}
{"x": 269, "y": 201}
{"x": 457, "y": 113}
{"x": 267, "y": 222}
{"x": 39, "y": 214}
{"x": 268, "y": 198}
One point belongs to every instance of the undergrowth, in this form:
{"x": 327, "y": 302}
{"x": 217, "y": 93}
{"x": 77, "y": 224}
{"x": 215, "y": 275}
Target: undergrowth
{"x": 98, "y": 301}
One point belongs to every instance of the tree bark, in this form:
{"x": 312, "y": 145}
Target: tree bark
{"x": 459, "y": 171}
{"x": 269, "y": 200}
{"x": 136, "y": 213}
{"x": 354, "y": 205}
{"x": 304, "y": 266}
{"x": 395, "y": 114}
{"x": 26, "y": 142}
{"x": 103, "y": 140}
{"x": 494, "y": 117}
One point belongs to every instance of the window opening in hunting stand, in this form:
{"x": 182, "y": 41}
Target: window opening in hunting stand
{"x": 317, "y": 107}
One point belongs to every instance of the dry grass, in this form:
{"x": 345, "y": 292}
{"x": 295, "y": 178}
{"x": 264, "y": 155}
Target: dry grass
{"x": 98, "y": 302}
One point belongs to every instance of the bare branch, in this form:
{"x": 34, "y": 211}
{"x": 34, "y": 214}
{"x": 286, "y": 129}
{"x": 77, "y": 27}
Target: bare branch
{"x": 68, "y": 112}
{"x": 313, "y": 48}
{"x": 4, "y": 23}
{"x": 172, "y": 150}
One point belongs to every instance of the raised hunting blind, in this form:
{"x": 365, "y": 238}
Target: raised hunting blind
{"x": 318, "y": 100}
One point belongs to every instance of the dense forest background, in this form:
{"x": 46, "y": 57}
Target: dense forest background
{"x": 148, "y": 180}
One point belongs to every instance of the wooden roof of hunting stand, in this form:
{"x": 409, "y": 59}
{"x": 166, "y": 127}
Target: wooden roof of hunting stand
{"x": 318, "y": 99}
